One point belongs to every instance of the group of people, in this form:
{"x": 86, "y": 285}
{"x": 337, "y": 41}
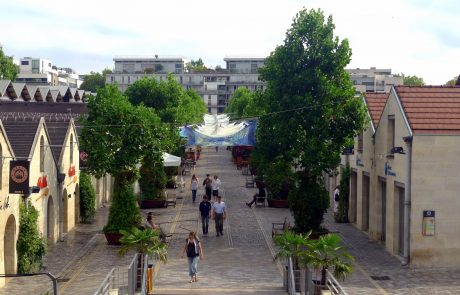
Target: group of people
{"x": 211, "y": 186}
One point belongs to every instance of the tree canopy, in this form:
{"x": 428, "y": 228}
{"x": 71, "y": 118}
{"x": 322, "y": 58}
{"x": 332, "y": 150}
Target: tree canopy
{"x": 413, "y": 81}
{"x": 95, "y": 80}
{"x": 196, "y": 65}
{"x": 453, "y": 82}
{"x": 169, "y": 99}
{"x": 311, "y": 112}
{"x": 8, "y": 70}
{"x": 245, "y": 103}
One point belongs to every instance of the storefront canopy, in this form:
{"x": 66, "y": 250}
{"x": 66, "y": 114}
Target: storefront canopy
{"x": 170, "y": 160}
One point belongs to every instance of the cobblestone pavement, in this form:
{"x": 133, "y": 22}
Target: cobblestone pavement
{"x": 81, "y": 262}
{"x": 239, "y": 262}
{"x": 373, "y": 260}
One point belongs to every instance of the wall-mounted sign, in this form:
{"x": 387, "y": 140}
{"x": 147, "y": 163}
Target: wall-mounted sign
{"x": 428, "y": 223}
{"x": 19, "y": 177}
{"x": 388, "y": 170}
{"x": 71, "y": 171}
{"x": 42, "y": 182}
{"x": 83, "y": 158}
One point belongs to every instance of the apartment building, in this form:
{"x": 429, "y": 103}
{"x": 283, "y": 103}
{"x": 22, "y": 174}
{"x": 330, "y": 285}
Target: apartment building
{"x": 373, "y": 79}
{"x": 41, "y": 71}
{"x": 214, "y": 86}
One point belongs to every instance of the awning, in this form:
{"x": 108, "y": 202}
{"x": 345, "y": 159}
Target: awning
{"x": 170, "y": 160}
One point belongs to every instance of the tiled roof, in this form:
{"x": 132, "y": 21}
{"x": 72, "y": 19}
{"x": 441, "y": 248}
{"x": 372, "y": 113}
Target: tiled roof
{"x": 375, "y": 104}
{"x": 57, "y": 132}
{"x": 21, "y": 135}
{"x": 431, "y": 109}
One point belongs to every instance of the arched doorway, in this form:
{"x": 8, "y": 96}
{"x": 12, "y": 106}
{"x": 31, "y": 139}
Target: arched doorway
{"x": 65, "y": 210}
{"x": 9, "y": 245}
{"x": 50, "y": 220}
{"x": 77, "y": 203}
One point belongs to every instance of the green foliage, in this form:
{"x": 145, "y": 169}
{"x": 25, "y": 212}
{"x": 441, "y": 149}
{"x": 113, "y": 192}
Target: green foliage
{"x": 326, "y": 253}
{"x": 308, "y": 202}
{"x": 87, "y": 198}
{"x": 95, "y": 80}
{"x": 344, "y": 191}
{"x": 244, "y": 103}
{"x": 8, "y": 70}
{"x": 153, "y": 180}
{"x": 413, "y": 81}
{"x": 196, "y": 66}
{"x": 311, "y": 110}
{"x": 124, "y": 212}
{"x": 453, "y": 82}
{"x": 143, "y": 241}
{"x": 30, "y": 245}
{"x": 291, "y": 244}
{"x": 279, "y": 179}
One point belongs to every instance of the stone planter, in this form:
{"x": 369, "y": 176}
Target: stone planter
{"x": 277, "y": 203}
{"x": 113, "y": 238}
{"x": 152, "y": 204}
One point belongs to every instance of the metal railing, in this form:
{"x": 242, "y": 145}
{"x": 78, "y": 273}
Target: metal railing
{"x": 127, "y": 281}
{"x": 291, "y": 278}
{"x": 310, "y": 283}
{"x": 53, "y": 278}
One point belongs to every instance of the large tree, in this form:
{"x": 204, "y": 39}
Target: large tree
{"x": 245, "y": 103}
{"x": 117, "y": 136}
{"x": 311, "y": 110}
{"x": 196, "y": 66}
{"x": 454, "y": 81}
{"x": 8, "y": 70}
{"x": 95, "y": 80}
{"x": 413, "y": 80}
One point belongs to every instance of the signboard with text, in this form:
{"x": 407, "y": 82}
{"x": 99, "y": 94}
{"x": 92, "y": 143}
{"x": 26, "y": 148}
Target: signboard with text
{"x": 19, "y": 177}
{"x": 428, "y": 222}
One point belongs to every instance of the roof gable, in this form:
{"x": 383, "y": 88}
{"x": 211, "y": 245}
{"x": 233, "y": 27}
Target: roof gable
{"x": 431, "y": 109}
{"x": 375, "y": 104}
{"x": 21, "y": 135}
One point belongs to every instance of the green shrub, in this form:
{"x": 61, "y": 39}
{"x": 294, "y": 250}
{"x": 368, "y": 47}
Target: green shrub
{"x": 30, "y": 245}
{"x": 124, "y": 212}
{"x": 153, "y": 181}
{"x": 279, "y": 179}
{"x": 87, "y": 198}
{"x": 308, "y": 202}
{"x": 342, "y": 212}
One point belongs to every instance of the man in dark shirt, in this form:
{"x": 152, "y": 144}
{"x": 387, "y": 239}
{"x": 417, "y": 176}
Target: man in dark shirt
{"x": 207, "y": 182}
{"x": 205, "y": 212}
{"x": 260, "y": 195}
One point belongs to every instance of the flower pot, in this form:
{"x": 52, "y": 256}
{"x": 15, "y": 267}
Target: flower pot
{"x": 277, "y": 203}
{"x": 151, "y": 204}
{"x": 113, "y": 238}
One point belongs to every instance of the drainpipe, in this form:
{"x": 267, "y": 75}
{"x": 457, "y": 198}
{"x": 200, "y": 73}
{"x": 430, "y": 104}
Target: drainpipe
{"x": 60, "y": 180}
{"x": 407, "y": 200}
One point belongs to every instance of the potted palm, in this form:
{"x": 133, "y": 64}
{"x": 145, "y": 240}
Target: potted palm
{"x": 324, "y": 254}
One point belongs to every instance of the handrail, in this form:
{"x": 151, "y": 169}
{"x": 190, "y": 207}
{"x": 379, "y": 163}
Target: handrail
{"x": 144, "y": 276}
{"x": 291, "y": 277}
{"x": 53, "y": 278}
{"x": 104, "y": 286}
{"x": 334, "y": 285}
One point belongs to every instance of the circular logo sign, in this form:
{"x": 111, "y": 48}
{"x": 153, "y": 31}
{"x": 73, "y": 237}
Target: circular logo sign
{"x": 83, "y": 156}
{"x": 19, "y": 174}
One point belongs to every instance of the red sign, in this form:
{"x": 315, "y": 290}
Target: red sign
{"x": 42, "y": 182}
{"x": 71, "y": 171}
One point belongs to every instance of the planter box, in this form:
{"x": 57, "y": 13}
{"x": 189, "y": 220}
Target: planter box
{"x": 277, "y": 203}
{"x": 152, "y": 204}
{"x": 113, "y": 238}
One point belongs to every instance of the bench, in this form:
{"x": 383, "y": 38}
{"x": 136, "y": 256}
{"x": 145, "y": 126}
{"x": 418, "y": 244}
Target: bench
{"x": 171, "y": 199}
{"x": 250, "y": 181}
{"x": 279, "y": 227}
{"x": 260, "y": 201}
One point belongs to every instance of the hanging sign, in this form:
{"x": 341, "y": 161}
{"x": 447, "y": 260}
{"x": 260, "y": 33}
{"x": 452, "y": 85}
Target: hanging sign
{"x": 19, "y": 177}
{"x": 428, "y": 223}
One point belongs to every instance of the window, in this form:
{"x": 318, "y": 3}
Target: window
{"x": 360, "y": 142}
{"x": 35, "y": 66}
{"x": 253, "y": 68}
{"x": 205, "y": 87}
{"x": 71, "y": 149}
{"x": 42, "y": 154}
{"x": 24, "y": 62}
{"x": 181, "y": 79}
{"x": 390, "y": 134}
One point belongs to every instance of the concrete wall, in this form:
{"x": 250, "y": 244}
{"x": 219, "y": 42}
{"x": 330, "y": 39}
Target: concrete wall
{"x": 435, "y": 186}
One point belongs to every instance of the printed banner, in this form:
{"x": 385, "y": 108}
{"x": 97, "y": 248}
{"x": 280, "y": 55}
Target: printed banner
{"x": 243, "y": 137}
{"x": 19, "y": 177}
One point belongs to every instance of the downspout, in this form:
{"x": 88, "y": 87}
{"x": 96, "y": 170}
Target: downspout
{"x": 407, "y": 201}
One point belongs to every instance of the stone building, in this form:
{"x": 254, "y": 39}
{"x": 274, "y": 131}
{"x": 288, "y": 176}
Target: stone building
{"x": 403, "y": 183}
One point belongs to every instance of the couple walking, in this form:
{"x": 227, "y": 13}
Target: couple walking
{"x": 211, "y": 186}
{"x": 217, "y": 211}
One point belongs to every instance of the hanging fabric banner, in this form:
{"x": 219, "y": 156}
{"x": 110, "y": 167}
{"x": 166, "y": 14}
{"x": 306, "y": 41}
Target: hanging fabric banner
{"x": 239, "y": 134}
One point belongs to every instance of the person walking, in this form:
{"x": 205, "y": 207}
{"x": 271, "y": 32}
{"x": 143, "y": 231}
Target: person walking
{"x": 194, "y": 187}
{"x": 219, "y": 213}
{"x": 336, "y": 195}
{"x": 261, "y": 195}
{"x": 205, "y": 213}
{"x": 194, "y": 250}
{"x": 207, "y": 183}
{"x": 215, "y": 185}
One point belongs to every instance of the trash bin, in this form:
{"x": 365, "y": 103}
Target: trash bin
{"x": 150, "y": 278}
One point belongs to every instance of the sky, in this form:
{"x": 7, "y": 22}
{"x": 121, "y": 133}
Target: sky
{"x": 414, "y": 37}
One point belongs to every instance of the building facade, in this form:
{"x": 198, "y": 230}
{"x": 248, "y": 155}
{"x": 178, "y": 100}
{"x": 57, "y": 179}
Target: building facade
{"x": 373, "y": 79}
{"x": 403, "y": 182}
{"x": 214, "y": 86}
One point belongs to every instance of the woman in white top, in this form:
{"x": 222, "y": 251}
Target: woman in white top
{"x": 215, "y": 187}
{"x": 194, "y": 187}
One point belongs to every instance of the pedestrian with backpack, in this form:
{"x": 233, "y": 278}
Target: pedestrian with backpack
{"x": 193, "y": 250}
